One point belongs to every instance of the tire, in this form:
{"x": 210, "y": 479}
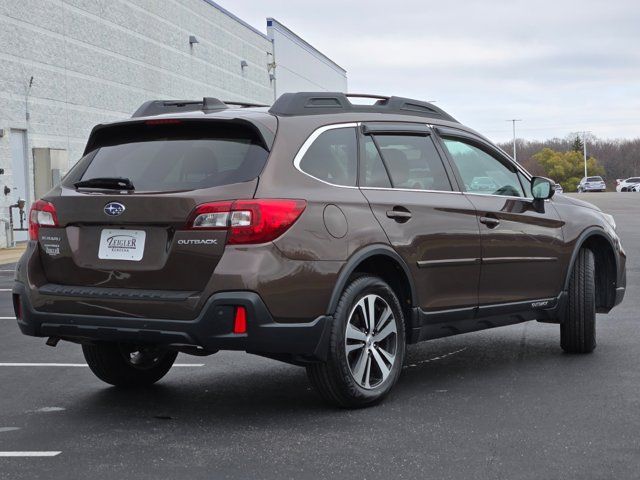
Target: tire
{"x": 357, "y": 378}
{"x": 578, "y": 328}
{"x": 128, "y": 365}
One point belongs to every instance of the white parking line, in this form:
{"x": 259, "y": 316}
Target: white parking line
{"x": 5, "y": 289}
{"x": 29, "y": 454}
{"x": 80, "y": 365}
{"x": 7, "y": 318}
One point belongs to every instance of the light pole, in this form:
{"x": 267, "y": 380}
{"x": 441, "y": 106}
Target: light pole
{"x": 513, "y": 121}
{"x": 584, "y": 151}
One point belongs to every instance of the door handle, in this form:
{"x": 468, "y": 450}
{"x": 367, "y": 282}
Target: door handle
{"x": 399, "y": 214}
{"x": 490, "y": 222}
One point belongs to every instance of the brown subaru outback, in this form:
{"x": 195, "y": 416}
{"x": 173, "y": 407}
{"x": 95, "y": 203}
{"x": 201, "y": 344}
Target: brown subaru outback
{"x": 322, "y": 232}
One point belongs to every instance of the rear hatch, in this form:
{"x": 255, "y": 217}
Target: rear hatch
{"x": 136, "y": 232}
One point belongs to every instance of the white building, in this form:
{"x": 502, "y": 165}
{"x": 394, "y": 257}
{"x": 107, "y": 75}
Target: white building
{"x": 70, "y": 64}
{"x": 299, "y": 67}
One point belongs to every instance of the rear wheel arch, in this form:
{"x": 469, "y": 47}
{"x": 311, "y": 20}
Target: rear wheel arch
{"x": 606, "y": 266}
{"x": 383, "y": 262}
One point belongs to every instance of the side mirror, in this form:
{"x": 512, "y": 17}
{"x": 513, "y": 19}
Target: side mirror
{"x": 542, "y": 188}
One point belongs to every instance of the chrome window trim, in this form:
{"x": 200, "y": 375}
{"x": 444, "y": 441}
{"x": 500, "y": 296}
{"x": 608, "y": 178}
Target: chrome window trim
{"x": 320, "y": 130}
{"x": 411, "y": 190}
{"x": 504, "y": 196}
{"x": 312, "y": 138}
{"x": 492, "y": 195}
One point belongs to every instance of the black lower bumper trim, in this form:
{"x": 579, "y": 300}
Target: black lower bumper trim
{"x": 115, "y": 293}
{"x": 212, "y": 330}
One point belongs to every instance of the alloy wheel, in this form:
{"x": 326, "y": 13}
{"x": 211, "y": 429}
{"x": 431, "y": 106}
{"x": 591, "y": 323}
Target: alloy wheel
{"x": 371, "y": 341}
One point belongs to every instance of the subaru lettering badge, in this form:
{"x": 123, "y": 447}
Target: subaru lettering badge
{"x": 114, "y": 209}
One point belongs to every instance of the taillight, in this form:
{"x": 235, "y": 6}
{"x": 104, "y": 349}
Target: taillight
{"x": 248, "y": 221}
{"x": 42, "y": 214}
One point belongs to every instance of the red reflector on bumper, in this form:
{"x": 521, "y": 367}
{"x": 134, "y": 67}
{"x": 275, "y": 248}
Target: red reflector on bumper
{"x": 240, "y": 320}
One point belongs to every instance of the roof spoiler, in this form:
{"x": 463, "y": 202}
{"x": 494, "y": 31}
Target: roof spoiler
{"x": 317, "y": 103}
{"x": 207, "y": 104}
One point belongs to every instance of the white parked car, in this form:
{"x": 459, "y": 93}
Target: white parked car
{"x": 627, "y": 185}
{"x": 592, "y": 184}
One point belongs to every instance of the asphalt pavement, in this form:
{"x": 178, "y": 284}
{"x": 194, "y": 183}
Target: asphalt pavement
{"x": 499, "y": 404}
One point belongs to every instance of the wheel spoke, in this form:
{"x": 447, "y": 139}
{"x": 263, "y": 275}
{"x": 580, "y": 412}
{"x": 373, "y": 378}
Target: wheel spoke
{"x": 371, "y": 316}
{"x": 363, "y": 312}
{"x": 367, "y": 373}
{"x": 388, "y": 329}
{"x": 383, "y": 318}
{"x": 384, "y": 369}
{"x": 359, "y": 370}
{"x": 386, "y": 355}
{"x": 355, "y": 334}
{"x": 354, "y": 346}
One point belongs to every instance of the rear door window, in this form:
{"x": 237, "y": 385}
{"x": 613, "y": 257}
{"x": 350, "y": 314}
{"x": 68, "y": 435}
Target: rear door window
{"x": 413, "y": 162}
{"x": 333, "y": 157}
{"x": 374, "y": 173}
{"x": 174, "y": 157}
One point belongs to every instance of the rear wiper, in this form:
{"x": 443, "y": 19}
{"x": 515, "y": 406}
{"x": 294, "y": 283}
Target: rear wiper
{"x": 110, "y": 183}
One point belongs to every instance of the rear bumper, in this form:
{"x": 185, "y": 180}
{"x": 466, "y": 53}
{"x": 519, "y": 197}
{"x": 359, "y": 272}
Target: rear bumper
{"x": 211, "y": 330}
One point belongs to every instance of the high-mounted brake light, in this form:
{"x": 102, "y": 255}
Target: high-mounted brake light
{"x": 42, "y": 214}
{"x": 163, "y": 121}
{"x": 248, "y": 221}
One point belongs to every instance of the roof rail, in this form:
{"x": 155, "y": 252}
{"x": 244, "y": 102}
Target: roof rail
{"x": 244, "y": 104}
{"x": 207, "y": 104}
{"x": 318, "y": 103}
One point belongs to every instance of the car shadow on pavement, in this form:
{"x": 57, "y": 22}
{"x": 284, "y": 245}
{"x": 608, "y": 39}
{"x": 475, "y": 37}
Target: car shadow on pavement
{"x": 277, "y": 391}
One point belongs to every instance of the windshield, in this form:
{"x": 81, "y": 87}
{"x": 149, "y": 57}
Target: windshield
{"x": 594, "y": 179}
{"x": 175, "y": 157}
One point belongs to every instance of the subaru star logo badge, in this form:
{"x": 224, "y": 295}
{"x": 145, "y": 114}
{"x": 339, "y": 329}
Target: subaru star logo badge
{"x": 114, "y": 209}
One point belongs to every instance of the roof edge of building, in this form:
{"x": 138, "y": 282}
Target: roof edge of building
{"x": 272, "y": 22}
{"x": 236, "y": 18}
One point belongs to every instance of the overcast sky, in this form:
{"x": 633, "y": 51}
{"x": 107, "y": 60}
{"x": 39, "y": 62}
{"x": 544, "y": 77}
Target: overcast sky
{"x": 559, "y": 65}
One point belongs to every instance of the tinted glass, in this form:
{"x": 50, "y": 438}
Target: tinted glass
{"x": 481, "y": 172}
{"x": 633, "y": 180}
{"x": 373, "y": 172}
{"x": 594, "y": 179}
{"x": 526, "y": 185}
{"x": 413, "y": 162}
{"x": 174, "y": 157}
{"x": 332, "y": 157}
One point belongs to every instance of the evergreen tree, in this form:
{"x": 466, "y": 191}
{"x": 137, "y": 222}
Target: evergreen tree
{"x": 577, "y": 144}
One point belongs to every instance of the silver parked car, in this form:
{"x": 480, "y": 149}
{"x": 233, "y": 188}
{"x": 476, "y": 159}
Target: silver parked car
{"x": 592, "y": 184}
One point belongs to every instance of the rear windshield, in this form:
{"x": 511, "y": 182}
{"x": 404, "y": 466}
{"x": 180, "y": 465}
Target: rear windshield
{"x": 173, "y": 157}
{"x": 594, "y": 179}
